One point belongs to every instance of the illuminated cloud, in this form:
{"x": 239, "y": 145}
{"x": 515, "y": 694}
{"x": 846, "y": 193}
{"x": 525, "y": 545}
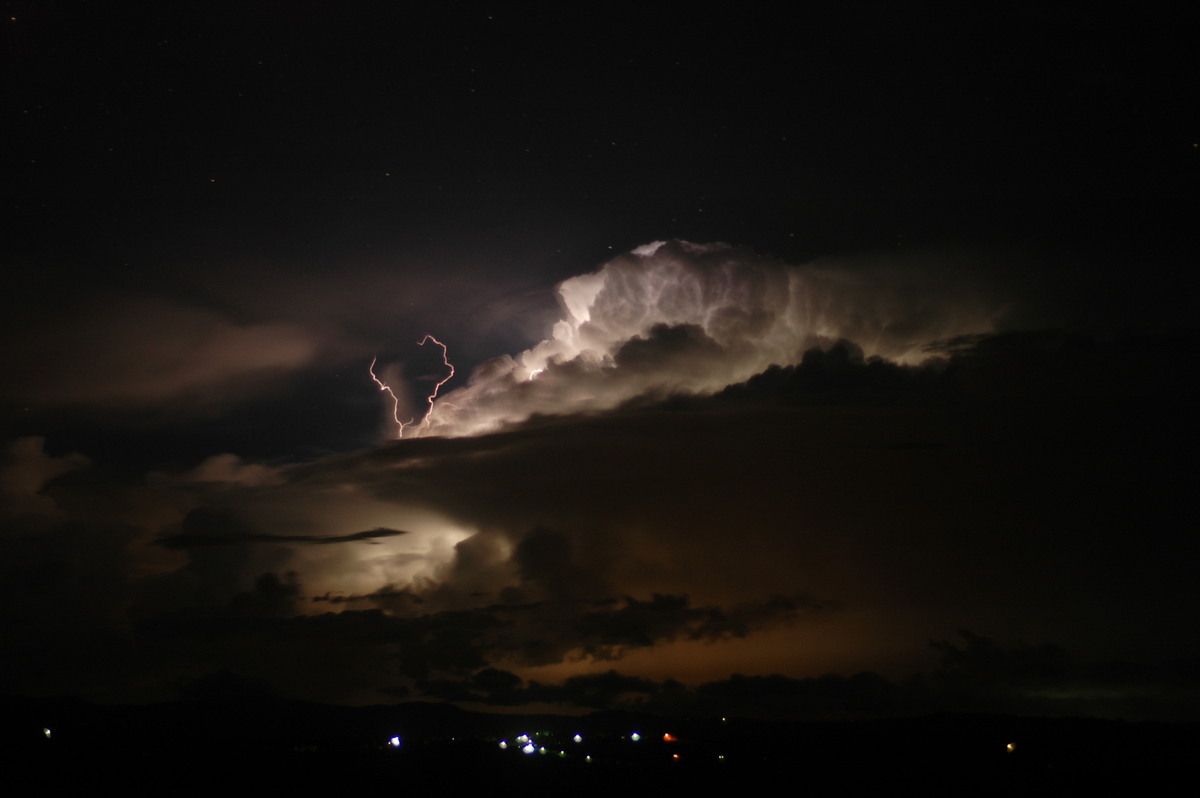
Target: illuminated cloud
{"x": 228, "y": 468}
{"x": 679, "y": 510}
{"x": 681, "y": 318}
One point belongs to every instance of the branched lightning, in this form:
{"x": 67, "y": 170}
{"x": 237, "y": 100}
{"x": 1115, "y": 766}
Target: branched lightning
{"x": 677, "y": 318}
{"x": 446, "y": 379}
{"x": 385, "y": 388}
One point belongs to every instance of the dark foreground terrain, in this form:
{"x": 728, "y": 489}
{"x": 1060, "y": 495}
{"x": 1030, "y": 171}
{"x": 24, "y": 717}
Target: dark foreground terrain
{"x": 53, "y": 746}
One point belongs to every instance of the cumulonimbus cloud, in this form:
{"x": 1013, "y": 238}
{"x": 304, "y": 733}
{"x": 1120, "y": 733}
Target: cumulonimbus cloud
{"x": 675, "y": 317}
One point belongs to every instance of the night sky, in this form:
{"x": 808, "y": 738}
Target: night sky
{"x": 822, "y": 364}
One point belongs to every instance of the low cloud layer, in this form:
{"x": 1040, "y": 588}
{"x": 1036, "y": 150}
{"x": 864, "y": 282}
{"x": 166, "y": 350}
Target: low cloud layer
{"x": 827, "y": 512}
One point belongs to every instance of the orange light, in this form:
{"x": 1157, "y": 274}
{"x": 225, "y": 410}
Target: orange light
{"x": 669, "y": 738}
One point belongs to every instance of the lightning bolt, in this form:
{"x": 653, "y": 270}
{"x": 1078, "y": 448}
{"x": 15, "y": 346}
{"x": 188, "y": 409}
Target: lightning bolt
{"x": 446, "y": 379}
{"x": 385, "y": 388}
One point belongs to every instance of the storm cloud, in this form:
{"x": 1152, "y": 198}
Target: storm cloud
{"x": 681, "y": 318}
{"x": 706, "y": 496}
